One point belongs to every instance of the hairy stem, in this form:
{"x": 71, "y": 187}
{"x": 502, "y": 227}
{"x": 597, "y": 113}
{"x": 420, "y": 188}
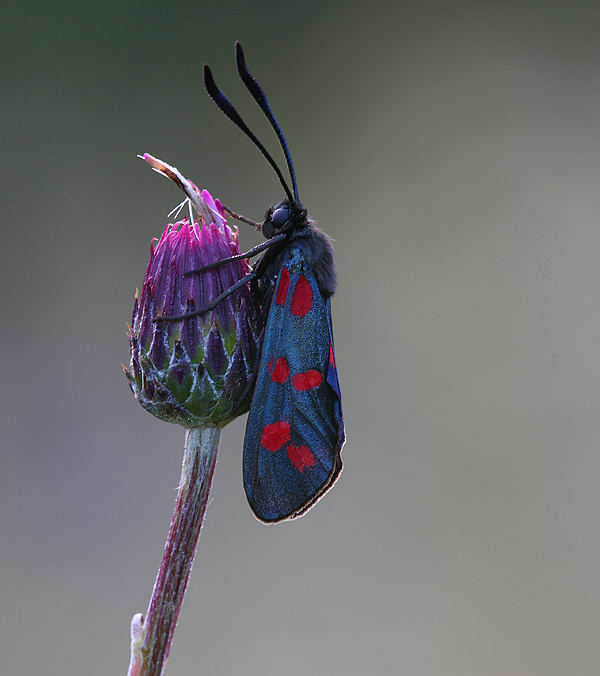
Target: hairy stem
{"x": 151, "y": 636}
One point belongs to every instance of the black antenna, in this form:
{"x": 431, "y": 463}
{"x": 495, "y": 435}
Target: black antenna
{"x": 259, "y": 96}
{"x": 225, "y": 105}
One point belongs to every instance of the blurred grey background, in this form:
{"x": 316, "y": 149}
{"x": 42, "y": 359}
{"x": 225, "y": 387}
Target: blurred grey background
{"x": 453, "y": 152}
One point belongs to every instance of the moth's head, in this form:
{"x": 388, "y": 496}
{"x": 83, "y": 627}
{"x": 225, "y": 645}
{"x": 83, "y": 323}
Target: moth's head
{"x": 286, "y": 216}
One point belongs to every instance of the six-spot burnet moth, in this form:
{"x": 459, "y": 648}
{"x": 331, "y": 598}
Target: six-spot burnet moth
{"x": 295, "y": 429}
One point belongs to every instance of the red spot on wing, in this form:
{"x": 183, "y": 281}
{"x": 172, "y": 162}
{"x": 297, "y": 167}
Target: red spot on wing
{"x": 331, "y": 357}
{"x": 282, "y": 289}
{"x": 301, "y": 457}
{"x": 307, "y": 380}
{"x": 281, "y": 371}
{"x": 275, "y": 435}
{"x": 302, "y": 297}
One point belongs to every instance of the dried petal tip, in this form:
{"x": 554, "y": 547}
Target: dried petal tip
{"x": 197, "y": 371}
{"x": 202, "y": 200}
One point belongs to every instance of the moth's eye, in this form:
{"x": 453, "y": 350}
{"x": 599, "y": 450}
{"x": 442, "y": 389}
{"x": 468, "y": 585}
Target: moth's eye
{"x": 280, "y": 217}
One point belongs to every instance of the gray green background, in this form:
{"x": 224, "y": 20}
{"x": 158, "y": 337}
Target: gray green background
{"x": 453, "y": 152}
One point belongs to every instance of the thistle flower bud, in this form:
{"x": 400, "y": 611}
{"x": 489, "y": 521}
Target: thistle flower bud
{"x": 197, "y": 371}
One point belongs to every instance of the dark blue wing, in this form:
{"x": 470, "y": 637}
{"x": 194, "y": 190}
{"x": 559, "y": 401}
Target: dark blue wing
{"x": 295, "y": 428}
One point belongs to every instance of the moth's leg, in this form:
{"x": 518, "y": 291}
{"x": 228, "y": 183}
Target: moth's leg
{"x": 247, "y": 254}
{"x": 212, "y": 305}
{"x": 249, "y": 387}
{"x": 244, "y": 219}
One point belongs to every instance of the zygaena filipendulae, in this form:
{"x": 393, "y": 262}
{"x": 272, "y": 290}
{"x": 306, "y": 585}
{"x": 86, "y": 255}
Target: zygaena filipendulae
{"x": 295, "y": 428}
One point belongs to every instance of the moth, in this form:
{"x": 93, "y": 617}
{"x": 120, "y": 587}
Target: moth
{"x": 295, "y": 429}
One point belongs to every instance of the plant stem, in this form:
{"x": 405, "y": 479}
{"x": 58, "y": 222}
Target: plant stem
{"x": 151, "y": 636}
